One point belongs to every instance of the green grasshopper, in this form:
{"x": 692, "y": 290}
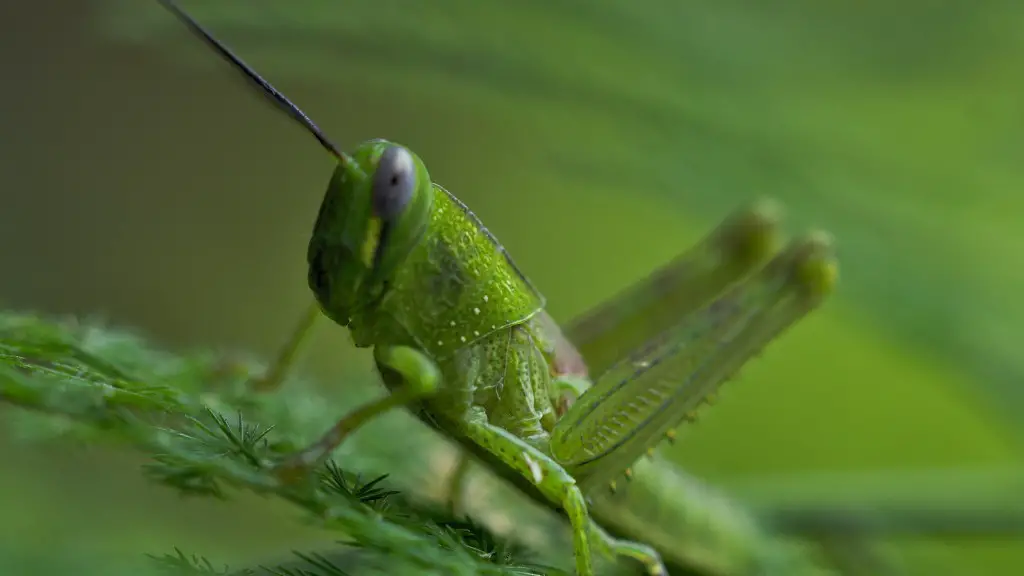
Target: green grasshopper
{"x": 460, "y": 335}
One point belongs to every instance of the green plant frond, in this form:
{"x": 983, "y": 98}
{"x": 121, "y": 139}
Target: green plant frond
{"x": 205, "y": 436}
{"x": 180, "y": 564}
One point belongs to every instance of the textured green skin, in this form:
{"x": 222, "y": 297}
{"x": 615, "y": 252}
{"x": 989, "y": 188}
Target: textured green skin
{"x": 459, "y": 300}
{"x": 461, "y": 334}
{"x": 691, "y": 525}
{"x": 450, "y": 320}
{"x": 455, "y": 295}
{"x": 447, "y": 290}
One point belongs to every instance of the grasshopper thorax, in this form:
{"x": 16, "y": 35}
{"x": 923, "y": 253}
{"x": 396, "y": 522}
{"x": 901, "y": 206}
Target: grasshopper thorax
{"x": 374, "y": 212}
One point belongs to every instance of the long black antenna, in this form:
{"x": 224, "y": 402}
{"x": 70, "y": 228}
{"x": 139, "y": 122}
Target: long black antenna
{"x": 281, "y": 102}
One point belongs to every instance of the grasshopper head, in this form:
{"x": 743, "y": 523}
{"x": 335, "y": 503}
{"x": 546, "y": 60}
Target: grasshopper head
{"x": 375, "y": 210}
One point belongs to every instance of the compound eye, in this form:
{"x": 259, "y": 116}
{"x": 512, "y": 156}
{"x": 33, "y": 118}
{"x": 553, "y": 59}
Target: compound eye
{"x": 393, "y": 182}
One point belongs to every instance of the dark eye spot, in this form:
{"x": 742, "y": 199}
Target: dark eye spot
{"x": 394, "y": 182}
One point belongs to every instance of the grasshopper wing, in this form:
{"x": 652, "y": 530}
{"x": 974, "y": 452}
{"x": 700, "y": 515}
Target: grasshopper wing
{"x": 741, "y": 244}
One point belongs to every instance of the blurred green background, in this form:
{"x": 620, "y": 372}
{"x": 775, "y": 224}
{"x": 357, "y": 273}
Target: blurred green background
{"x": 143, "y": 182}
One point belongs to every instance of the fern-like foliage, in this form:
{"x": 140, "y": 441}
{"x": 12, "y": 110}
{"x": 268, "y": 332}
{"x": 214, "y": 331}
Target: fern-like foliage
{"x": 207, "y": 435}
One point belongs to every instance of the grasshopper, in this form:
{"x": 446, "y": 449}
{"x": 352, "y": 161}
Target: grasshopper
{"x": 460, "y": 335}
